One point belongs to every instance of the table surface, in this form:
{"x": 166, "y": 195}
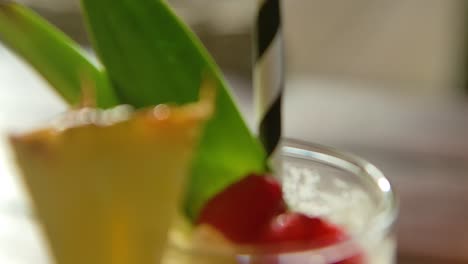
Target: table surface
{"x": 419, "y": 143}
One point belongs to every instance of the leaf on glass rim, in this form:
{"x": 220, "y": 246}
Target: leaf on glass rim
{"x": 51, "y": 53}
{"x": 151, "y": 58}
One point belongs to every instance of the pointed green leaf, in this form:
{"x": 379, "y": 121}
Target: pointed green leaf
{"x": 152, "y": 58}
{"x": 56, "y": 57}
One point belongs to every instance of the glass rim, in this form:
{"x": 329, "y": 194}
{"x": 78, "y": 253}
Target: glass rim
{"x": 389, "y": 204}
{"x": 382, "y": 222}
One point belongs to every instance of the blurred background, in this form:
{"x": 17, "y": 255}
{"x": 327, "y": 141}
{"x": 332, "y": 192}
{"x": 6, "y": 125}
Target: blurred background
{"x": 386, "y": 80}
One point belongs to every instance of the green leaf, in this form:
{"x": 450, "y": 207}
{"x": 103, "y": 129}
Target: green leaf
{"x": 56, "y": 57}
{"x": 152, "y": 58}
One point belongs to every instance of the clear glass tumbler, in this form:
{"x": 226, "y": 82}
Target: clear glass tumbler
{"x": 322, "y": 182}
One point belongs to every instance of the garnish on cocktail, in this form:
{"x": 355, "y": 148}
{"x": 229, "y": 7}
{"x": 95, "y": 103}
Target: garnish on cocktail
{"x": 106, "y": 183}
{"x": 126, "y": 176}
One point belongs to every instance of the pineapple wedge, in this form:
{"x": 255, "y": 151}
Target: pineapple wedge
{"x": 106, "y": 184}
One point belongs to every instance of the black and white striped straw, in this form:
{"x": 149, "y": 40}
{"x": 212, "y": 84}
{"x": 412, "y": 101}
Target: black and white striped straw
{"x": 268, "y": 73}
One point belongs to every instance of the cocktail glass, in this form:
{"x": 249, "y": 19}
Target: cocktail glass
{"x": 318, "y": 181}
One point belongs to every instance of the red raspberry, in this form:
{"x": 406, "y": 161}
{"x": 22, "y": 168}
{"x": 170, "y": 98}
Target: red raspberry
{"x": 244, "y": 208}
{"x": 357, "y": 259}
{"x": 293, "y": 231}
{"x": 294, "y": 227}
